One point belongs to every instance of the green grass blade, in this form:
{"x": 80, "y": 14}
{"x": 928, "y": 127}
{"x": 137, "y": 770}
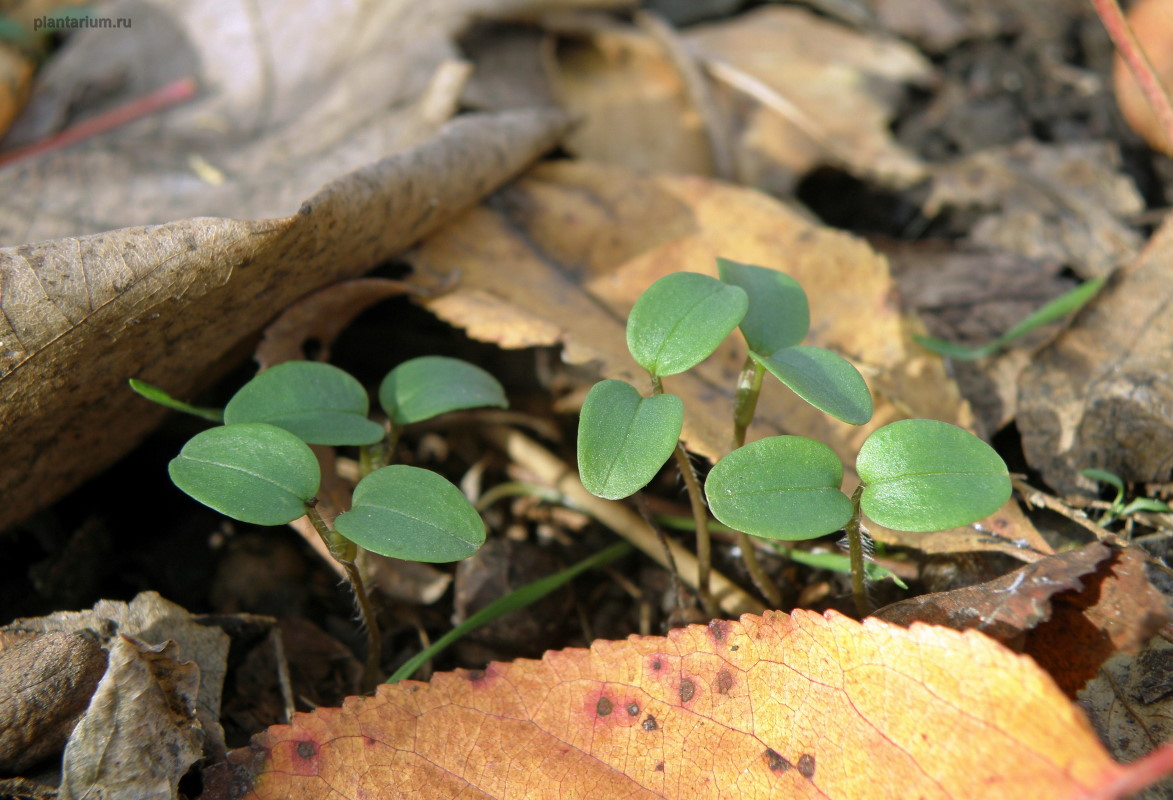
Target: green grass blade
{"x": 1060, "y": 307}
{"x": 157, "y": 395}
{"x": 526, "y": 595}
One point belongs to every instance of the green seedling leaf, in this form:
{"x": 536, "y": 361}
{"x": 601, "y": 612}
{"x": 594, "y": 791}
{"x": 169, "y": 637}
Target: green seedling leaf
{"x": 779, "y": 315}
{"x": 426, "y": 387}
{"x": 252, "y": 472}
{"x": 824, "y": 379}
{"x": 413, "y": 514}
{"x": 157, "y": 395}
{"x": 624, "y": 439}
{"x": 680, "y": 320}
{"x": 1056, "y": 309}
{"x": 781, "y": 487}
{"x": 1103, "y": 476}
{"x": 922, "y": 475}
{"x": 317, "y": 402}
{"x": 1146, "y": 504}
{"x": 520, "y": 598}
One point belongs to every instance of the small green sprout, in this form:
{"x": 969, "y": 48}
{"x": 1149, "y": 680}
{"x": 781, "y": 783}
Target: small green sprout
{"x": 258, "y": 467}
{"x": 916, "y": 475}
{"x": 1118, "y": 509}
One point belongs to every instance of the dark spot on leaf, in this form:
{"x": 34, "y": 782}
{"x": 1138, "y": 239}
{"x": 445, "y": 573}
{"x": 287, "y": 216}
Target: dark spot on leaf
{"x": 603, "y": 707}
{"x": 369, "y": 741}
{"x": 306, "y": 209}
{"x": 306, "y": 750}
{"x": 657, "y": 665}
{"x": 476, "y": 674}
{"x": 806, "y": 766}
{"x": 687, "y": 690}
{"x": 660, "y": 767}
{"x": 724, "y": 681}
{"x": 776, "y": 762}
{"x": 649, "y": 724}
{"x": 632, "y": 709}
{"x": 735, "y": 647}
{"x": 719, "y": 628}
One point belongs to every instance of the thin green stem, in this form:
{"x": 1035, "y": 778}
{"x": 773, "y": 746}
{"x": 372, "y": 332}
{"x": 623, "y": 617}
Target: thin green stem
{"x": 855, "y": 536}
{"x": 700, "y": 516}
{"x": 344, "y": 552}
{"x": 749, "y": 388}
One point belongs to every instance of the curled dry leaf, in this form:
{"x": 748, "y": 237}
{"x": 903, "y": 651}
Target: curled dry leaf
{"x": 140, "y": 733}
{"x": 166, "y": 303}
{"x": 774, "y": 706}
{"x": 45, "y": 685}
{"x": 1099, "y": 395}
{"x": 583, "y": 241}
{"x": 1070, "y": 611}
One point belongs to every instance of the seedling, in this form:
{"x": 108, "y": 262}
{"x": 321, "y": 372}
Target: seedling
{"x": 916, "y": 475}
{"x": 1118, "y": 509}
{"x": 258, "y": 467}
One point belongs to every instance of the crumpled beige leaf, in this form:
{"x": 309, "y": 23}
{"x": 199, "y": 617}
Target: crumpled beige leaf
{"x": 292, "y": 96}
{"x": 140, "y": 733}
{"x": 1099, "y": 395}
{"x": 151, "y": 619}
{"x": 166, "y": 303}
{"x": 823, "y": 93}
{"x": 560, "y": 256}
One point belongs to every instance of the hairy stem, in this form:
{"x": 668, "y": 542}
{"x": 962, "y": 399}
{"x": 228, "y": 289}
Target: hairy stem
{"x": 749, "y": 388}
{"x": 344, "y": 552}
{"x": 1138, "y": 63}
{"x": 700, "y": 515}
{"x": 855, "y": 536}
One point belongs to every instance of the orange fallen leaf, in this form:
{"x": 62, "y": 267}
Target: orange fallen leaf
{"x": 790, "y": 706}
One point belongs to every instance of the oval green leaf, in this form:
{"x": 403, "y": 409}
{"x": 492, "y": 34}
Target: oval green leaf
{"x": 624, "y": 439}
{"x": 413, "y": 514}
{"x": 426, "y": 387}
{"x": 779, "y": 315}
{"x": 252, "y": 472}
{"x": 781, "y": 487}
{"x": 923, "y": 475}
{"x": 318, "y": 403}
{"x": 157, "y": 395}
{"x": 680, "y": 320}
{"x": 824, "y": 379}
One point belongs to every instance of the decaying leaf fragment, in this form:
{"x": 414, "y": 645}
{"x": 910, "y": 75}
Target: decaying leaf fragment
{"x": 1099, "y": 395}
{"x": 774, "y": 706}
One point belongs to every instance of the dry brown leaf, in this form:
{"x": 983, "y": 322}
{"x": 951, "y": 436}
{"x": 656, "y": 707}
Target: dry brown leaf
{"x": 579, "y": 242}
{"x": 45, "y": 685}
{"x": 774, "y": 706}
{"x": 1130, "y": 703}
{"x": 815, "y": 82}
{"x": 1099, "y": 395}
{"x": 1069, "y": 611}
{"x": 1064, "y": 202}
{"x": 140, "y": 733}
{"x": 166, "y": 304}
{"x": 150, "y": 619}
{"x": 633, "y": 103}
{"x": 294, "y": 95}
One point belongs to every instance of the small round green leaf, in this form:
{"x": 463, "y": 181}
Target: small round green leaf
{"x": 824, "y": 379}
{"x": 781, "y": 487}
{"x": 413, "y": 514}
{"x": 426, "y": 387}
{"x": 317, "y": 402}
{"x": 251, "y": 472}
{"x": 680, "y": 320}
{"x": 779, "y": 314}
{"x": 924, "y": 475}
{"x": 624, "y": 439}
